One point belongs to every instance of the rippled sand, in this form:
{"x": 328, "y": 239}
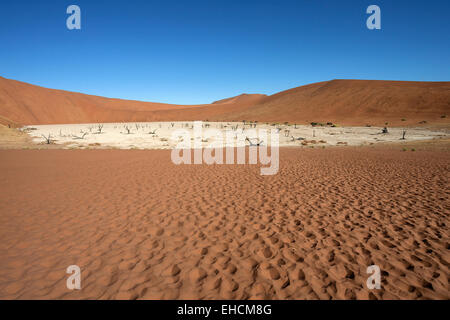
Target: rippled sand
{"x": 142, "y": 227}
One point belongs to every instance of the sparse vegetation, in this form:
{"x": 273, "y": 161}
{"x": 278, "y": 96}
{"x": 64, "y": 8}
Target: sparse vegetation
{"x": 127, "y": 129}
{"x": 254, "y": 144}
{"x": 78, "y": 137}
{"x": 48, "y": 139}
{"x": 147, "y": 135}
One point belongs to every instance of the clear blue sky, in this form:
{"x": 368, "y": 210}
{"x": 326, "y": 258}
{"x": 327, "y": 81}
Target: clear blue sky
{"x": 199, "y": 51}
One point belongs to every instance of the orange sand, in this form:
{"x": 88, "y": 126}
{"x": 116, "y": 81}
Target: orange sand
{"x": 345, "y": 102}
{"x": 141, "y": 227}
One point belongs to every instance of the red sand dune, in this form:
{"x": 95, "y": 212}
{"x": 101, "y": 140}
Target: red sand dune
{"x": 251, "y": 99}
{"x": 355, "y": 102}
{"x": 29, "y": 104}
{"x": 155, "y": 230}
{"x": 352, "y": 102}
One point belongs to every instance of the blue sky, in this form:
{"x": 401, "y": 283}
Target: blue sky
{"x": 199, "y": 51}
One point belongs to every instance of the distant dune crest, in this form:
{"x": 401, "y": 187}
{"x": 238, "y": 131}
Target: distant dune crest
{"x": 349, "y": 102}
{"x": 245, "y": 97}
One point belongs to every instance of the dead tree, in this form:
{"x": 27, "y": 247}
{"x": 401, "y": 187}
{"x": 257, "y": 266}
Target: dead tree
{"x": 99, "y": 128}
{"x": 253, "y": 144}
{"x": 153, "y": 132}
{"x": 403, "y": 135}
{"x": 48, "y": 139}
{"x": 79, "y": 137}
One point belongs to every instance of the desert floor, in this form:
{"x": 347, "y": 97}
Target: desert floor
{"x": 168, "y": 135}
{"x": 141, "y": 227}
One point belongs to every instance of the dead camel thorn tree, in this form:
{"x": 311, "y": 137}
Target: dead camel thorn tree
{"x": 253, "y": 144}
{"x": 79, "y": 137}
{"x": 128, "y": 129}
{"x": 403, "y": 135}
{"x": 48, "y": 139}
{"x": 99, "y": 128}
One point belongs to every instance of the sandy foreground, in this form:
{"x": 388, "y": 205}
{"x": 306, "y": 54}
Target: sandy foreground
{"x": 141, "y": 227}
